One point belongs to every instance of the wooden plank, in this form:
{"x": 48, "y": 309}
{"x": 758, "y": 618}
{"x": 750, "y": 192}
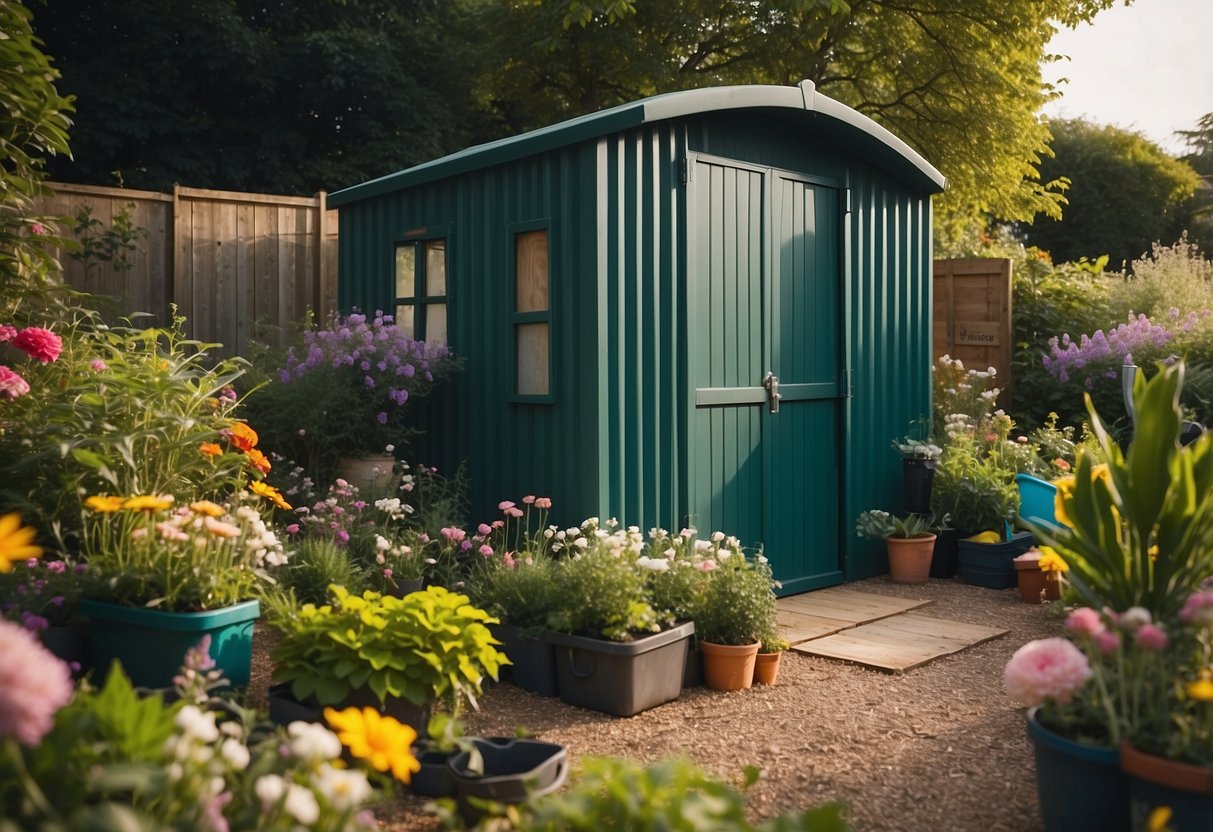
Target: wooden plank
{"x": 901, "y": 642}
{"x": 927, "y": 626}
{"x": 797, "y": 627}
{"x": 848, "y": 605}
{"x": 66, "y": 190}
{"x": 246, "y": 273}
{"x": 265, "y": 280}
{"x": 226, "y": 286}
{"x": 237, "y": 196}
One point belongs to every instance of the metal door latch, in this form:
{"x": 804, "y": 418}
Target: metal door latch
{"x": 771, "y": 383}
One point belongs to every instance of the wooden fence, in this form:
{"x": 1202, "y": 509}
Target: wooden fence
{"x": 972, "y": 316}
{"x": 231, "y": 262}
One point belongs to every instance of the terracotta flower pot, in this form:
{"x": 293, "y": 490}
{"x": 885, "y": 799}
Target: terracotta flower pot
{"x": 1186, "y": 789}
{"x": 728, "y": 666}
{"x": 367, "y": 472}
{"x": 910, "y": 558}
{"x": 1034, "y": 585}
{"x": 766, "y": 667}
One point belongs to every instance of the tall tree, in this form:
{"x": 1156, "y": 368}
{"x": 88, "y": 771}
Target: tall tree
{"x": 960, "y": 82}
{"x": 1125, "y": 193}
{"x": 1200, "y": 157}
{"x": 273, "y": 95}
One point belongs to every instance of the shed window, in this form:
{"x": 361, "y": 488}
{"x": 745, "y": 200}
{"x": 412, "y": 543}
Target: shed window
{"x": 532, "y": 316}
{"x": 421, "y": 289}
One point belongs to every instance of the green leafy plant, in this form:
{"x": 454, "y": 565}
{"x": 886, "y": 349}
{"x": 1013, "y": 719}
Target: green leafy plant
{"x": 520, "y": 591}
{"x": 1140, "y": 525}
{"x": 672, "y": 795}
{"x": 602, "y": 595}
{"x": 973, "y": 488}
{"x": 738, "y": 606}
{"x": 875, "y": 524}
{"x": 427, "y": 646}
{"x": 315, "y": 565}
{"x": 113, "y": 245}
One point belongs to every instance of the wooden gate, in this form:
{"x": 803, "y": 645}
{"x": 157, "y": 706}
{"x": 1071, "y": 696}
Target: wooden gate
{"x": 972, "y": 314}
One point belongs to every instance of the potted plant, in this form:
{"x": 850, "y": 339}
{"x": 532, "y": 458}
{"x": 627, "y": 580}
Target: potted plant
{"x": 737, "y": 610}
{"x": 42, "y": 594}
{"x": 766, "y": 663}
{"x": 397, "y": 654}
{"x": 1039, "y": 572}
{"x": 909, "y": 540}
{"x": 163, "y": 576}
{"x": 612, "y": 653}
{"x": 342, "y": 394}
{"x": 919, "y": 458}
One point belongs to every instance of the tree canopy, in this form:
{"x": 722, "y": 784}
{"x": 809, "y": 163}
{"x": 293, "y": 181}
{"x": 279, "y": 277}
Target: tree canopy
{"x": 296, "y": 95}
{"x": 1125, "y": 193}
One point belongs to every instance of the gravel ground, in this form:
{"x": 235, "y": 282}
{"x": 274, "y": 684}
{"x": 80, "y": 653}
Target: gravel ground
{"x": 937, "y": 748}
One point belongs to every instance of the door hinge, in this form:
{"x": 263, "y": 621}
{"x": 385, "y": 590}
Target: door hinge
{"x": 848, "y": 383}
{"x": 846, "y": 201}
{"x": 686, "y": 171}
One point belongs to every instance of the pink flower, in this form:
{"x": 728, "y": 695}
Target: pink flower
{"x": 504, "y": 504}
{"x": 453, "y": 534}
{"x": 486, "y": 550}
{"x": 7, "y": 333}
{"x": 706, "y": 565}
{"x": 1151, "y": 637}
{"x": 1107, "y": 642}
{"x": 484, "y": 528}
{"x": 33, "y": 685}
{"x": 1050, "y": 668}
{"x": 98, "y": 366}
{"x": 528, "y": 499}
{"x": 293, "y": 528}
{"x": 543, "y": 503}
{"x": 39, "y": 344}
{"x": 514, "y": 512}
{"x": 1198, "y": 608}
{"x": 11, "y": 383}
{"x": 1084, "y": 621}
{"x": 37, "y": 228}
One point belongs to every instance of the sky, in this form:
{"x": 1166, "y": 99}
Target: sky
{"x": 1147, "y": 67}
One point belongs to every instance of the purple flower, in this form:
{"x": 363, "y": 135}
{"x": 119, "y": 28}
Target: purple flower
{"x": 381, "y": 417}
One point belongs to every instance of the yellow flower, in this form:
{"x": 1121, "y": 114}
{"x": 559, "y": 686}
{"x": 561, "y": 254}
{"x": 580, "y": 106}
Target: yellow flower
{"x": 1065, "y": 490}
{"x": 16, "y": 541}
{"x": 1160, "y": 819}
{"x": 270, "y": 493}
{"x": 148, "y": 502}
{"x": 210, "y": 449}
{"x": 1201, "y": 690}
{"x": 105, "y": 503}
{"x": 207, "y": 507}
{"x": 381, "y": 740}
{"x": 986, "y": 537}
{"x": 1050, "y": 561}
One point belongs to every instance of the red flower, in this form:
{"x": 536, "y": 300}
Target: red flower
{"x": 39, "y": 344}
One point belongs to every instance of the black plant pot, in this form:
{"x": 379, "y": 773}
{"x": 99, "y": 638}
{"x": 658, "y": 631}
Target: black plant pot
{"x": 992, "y": 565}
{"x": 285, "y": 708}
{"x": 513, "y": 771}
{"x": 917, "y": 476}
{"x": 947, "y": 551}
{"x": 532, "y": 660}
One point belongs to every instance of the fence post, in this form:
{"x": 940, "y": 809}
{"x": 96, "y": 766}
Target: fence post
{"x": 318, "y": 290}
{"x": 176, "y": 270}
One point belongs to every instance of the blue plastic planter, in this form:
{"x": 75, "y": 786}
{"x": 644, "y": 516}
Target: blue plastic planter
{"x": 992, "y": 565}
{"x": 151, "y": 644}
{"x": 1037, "y": 501}
{"x": 1081, "y": 787}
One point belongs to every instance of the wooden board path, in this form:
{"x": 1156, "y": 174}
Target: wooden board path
{"x": 876, "y": 631}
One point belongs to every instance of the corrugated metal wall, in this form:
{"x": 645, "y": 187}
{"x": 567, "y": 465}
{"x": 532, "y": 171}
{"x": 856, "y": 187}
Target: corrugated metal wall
{"x": 511, "y": 448}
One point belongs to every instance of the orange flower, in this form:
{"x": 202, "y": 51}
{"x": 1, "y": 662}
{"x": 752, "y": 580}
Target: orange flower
{"x": 105, "y": 503}
{"x": 148, "y": 502}
{"x": 258, "y": 460}
{"x": 243, "y": 437}
{"x": 210, "y": 449}
{"x": 207, "y": 508}
{"x": 270, "y": 493}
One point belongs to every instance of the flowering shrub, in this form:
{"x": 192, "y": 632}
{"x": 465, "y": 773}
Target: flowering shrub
{"x": 112, "y": 754}
{"x": 1101, "y": 356}
{"x": 38, "y": 343}
{"x": 344, "y": 390}
{"x": 198, "y": 556}
{"x": 41, "y": 593}
{"x": 963, "y": 398}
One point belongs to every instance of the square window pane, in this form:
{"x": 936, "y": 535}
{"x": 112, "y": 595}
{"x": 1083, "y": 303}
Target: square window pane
{"x": 531, "y": 271}
{"x": 435, "y": 323}
{"x": 406, "y": 270}
{"x": 435, "y": 269}
{"x": 404, "y": 319}
{"x": 531, "y": 354}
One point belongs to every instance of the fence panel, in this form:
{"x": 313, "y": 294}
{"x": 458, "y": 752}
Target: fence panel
{"x": 972, "y": 315}
{"x": 234, "y": 263}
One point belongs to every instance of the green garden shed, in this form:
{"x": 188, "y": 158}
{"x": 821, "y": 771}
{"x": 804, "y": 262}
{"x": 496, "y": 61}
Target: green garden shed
{"x": 709, "y": 308}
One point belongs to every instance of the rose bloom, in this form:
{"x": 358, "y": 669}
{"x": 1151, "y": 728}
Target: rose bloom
{"x": 39, "y": 344}
{"x": 1050, "y": 668}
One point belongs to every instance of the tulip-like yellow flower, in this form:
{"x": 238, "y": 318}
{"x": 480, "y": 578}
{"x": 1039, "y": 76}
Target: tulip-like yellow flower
{"x": 1050, "y": 561}
{"x": 16, "y": 541}
{"x": 384, "y": 742}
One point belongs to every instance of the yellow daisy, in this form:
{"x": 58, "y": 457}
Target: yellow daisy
{"x": 105, "y": 503}
{"x": 148, "y": 502}
{"x": 382, "y": 741}
{"x": 207, "y": 508}
{"x": 270, "y": 493}
{"x": 16, "y": 541}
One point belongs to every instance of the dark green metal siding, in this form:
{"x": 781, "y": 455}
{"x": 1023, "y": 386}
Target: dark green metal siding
{"x": 511, "y": 448}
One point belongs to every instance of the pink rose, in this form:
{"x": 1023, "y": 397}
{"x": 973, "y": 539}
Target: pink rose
{"x": 1084, "y": 621}
{"x": 39, "y": 344}
{"x": 1050, "y": 668}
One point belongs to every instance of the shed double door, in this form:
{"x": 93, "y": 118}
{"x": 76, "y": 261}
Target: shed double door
{"x": 764, "y": 359}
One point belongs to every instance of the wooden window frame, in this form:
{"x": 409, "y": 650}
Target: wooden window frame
{"x": 517, "y": 318}
{"x": 417, "y": 238}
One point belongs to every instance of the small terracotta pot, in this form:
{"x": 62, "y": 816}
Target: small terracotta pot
{"x": 1034, "y": 585}
{"x": 727, "y": 666}
{"x": 766, "y": 667}
{"x": 910, "y": 558}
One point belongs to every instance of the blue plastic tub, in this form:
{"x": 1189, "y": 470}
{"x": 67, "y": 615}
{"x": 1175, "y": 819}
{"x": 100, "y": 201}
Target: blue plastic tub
{"x": 1036, "y": 501}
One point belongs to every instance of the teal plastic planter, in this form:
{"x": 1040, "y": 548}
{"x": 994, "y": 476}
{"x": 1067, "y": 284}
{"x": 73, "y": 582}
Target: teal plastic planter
{"x": 151, "y": 644}
{"x": 1037, "y": 501}
{"x": 1081, "y": 787}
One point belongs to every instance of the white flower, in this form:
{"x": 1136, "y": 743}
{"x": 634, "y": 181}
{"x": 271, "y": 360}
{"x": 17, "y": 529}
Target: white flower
{"x": 342, "y": 788}
{"x": 389, "y": 449}
{"x": 302, "y": 805}
{"x": 655, "y": 564}
{"x": 269, "y": 789}
{"x": 195, "y": 724}
{"x": 312, "y": 742}
{"x": 382, "y": 544}
{"x": 717, "y": 537}
{"x": 581, "y": 543}
{"x": 235, "y": 752}
{"x": 1135, "y": 617}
